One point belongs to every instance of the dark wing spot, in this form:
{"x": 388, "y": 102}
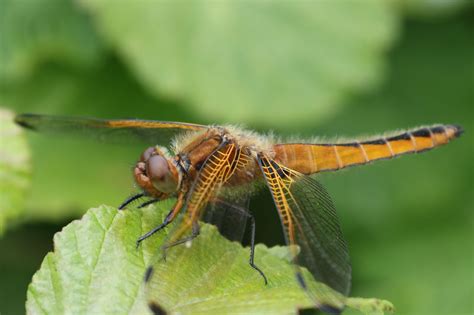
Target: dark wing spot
{"x": 301, "y": 282}
{"x": 156, "y": 309}
{"x": 328, "y": 309}
{"x": 308, "y": 311}
{"x": 148, "y": 273}
{"x": 23, "y": 123}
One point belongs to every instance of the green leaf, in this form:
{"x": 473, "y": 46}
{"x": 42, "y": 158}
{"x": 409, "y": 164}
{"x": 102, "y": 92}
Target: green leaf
{"x": 32, "y": 32}
{"x": 96, "y": 269}
{"x": 239, "y": 61}
{"x": 14, "y": 169}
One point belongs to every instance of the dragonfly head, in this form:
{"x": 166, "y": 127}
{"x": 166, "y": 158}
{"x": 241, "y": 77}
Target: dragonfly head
{"x": 156, "y": 174}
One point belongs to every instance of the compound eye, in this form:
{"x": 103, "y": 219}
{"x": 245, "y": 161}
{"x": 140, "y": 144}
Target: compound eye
{"x": 147, "y": 154}
{"x": 157, "y": 168}
{"x": 159, "y": 173}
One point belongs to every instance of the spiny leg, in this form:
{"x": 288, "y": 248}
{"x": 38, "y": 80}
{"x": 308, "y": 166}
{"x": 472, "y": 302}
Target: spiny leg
{"x": 131, "y": 199}
{"x": 149, "y": 202}
{"x": 252, "y": 234}
{"x": 195, "y": 232}
{"x": 169, "y": 218}
{"x": 252, "y": 248}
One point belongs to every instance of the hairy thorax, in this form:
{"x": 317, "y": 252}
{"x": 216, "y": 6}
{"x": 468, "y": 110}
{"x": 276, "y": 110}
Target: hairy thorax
{"x": 192, "y": 149}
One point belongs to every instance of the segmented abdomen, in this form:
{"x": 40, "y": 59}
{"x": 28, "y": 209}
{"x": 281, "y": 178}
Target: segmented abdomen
{"x": 313, "y": 158}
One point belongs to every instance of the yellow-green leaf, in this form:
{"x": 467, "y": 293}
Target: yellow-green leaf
{"x": 96, "y": 269}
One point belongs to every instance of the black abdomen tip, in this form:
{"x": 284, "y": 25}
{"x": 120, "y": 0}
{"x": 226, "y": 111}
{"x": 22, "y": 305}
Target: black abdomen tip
{"x": 459, "y": 130}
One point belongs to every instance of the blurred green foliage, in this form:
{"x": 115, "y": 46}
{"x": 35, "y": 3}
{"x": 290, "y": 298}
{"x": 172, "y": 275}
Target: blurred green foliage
{"x": 408, "y": 222}
{"x": 35, "y": 31}
{"x": 432, "y": 8}
{"x": 251, "y": 55}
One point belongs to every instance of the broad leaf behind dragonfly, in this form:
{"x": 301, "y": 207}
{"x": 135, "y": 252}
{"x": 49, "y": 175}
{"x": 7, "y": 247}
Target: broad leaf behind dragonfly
{"x": 95, "y": 262}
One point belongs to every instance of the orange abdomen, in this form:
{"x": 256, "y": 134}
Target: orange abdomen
{"x": 313, "y": 158}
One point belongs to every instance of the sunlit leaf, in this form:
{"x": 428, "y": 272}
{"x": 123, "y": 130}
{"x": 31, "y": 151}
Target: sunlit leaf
{"x": 96, "y": 269}
{"x": 14, "y": 169}
{"x": 265, "y": 62}
{"x": 33, "y": 32}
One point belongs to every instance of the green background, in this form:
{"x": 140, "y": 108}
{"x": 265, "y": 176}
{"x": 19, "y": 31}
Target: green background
{"x": 408, "y": 222}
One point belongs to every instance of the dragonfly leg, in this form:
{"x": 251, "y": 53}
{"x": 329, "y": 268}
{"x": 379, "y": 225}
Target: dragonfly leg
{"x": 149, "y": 202}
{"x": 130, "y": 199}
{"x": 169, "y": 218}
{"x": 195, "y": 232}
{"x": 252, "y": 234}
{"x": 252, "y": 248}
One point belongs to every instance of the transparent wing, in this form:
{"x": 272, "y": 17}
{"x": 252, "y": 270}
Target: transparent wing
{"x": 312, "y": 230}
{"x": 211, "y": 267}
{"x": 114, "y": 130}
{"x": 229, "y": 214}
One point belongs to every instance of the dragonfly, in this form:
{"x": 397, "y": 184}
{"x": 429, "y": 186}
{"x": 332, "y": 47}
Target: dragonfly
{"x": 199, "y": 165}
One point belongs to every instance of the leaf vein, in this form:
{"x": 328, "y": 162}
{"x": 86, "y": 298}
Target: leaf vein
{"x": 137, "y": 293}
{"x": 101, "y": 247}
